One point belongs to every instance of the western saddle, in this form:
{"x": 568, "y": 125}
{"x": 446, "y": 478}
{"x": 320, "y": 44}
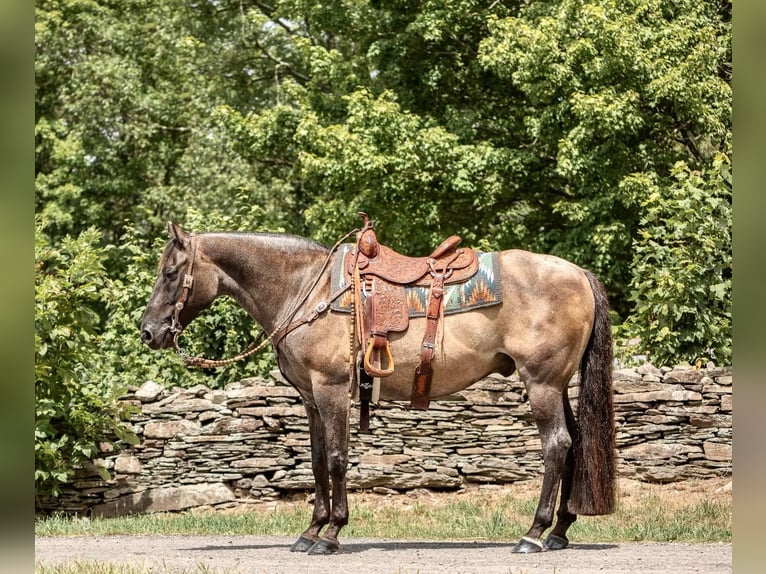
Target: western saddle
{"x": 380, "y": 275}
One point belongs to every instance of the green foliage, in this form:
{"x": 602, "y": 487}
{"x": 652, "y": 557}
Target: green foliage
{"x": 74, "y": 410}
{"x": 682, "y": 268}
{"x": 612, "y": 90}
{"x": 385, "y": 161}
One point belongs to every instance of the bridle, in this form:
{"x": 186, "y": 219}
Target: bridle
{"x": 175, "y": 324}
{"x": 275, "y": 336}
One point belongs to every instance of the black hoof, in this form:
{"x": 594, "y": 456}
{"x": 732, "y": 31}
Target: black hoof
{"x": 324, "y": 547}
{"x": 303, "y": 544}
{"x": 554, "y": 542}
{"x": 528, "y": 546}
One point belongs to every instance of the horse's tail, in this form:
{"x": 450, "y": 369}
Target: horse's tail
{"x": 593, "y": 488}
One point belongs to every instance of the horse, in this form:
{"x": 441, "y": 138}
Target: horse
{"x": 553, "y": 320}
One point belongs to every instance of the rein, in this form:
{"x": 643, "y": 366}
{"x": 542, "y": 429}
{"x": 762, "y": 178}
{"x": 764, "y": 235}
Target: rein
{"x": 276, "y": 335}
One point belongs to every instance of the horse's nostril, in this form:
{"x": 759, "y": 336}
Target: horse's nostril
{"x": 146, "y": 336}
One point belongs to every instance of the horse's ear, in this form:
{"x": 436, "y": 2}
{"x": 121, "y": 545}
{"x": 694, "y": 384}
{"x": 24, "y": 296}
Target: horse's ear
{"x": 178, "y": 234}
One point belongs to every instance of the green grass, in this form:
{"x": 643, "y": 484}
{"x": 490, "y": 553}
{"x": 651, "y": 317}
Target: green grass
{"x": 647, "y": 518}
{"x": 474, "y": 518}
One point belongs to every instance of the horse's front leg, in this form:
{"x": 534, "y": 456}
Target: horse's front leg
{"x": 321, "y": 514}
{"x": 334, "y": 404}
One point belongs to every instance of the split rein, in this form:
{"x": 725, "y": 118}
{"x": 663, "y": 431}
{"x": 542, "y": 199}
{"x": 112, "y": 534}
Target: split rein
{"x": 276, "y": 335}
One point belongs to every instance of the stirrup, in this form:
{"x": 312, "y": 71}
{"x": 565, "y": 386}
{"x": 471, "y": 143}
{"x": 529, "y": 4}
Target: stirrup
{"x": 373, "y": 370}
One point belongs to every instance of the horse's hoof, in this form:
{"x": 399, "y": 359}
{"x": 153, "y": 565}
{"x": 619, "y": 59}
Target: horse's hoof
{"x": 554, "y": 542}
{"x": 303, "y": 544}
{"x": 528, "y": 546}
{"x": 324, "y": 547}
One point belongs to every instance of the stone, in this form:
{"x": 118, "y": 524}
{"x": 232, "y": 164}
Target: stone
{"x": 215, "y": 397}
{"x": 165, "y": 499}
{"x": 717, "y": 451}
{"x": 637, "y": 386}
{"x": 127, "y": 464}
{"x": 260, "y": 463}
{"x": 657, "y": 451}
{"x": 628, "y": 375}
{"x": 710, "y": 421}
{"x": 196, "y": 391}
{"x": 649, "y": 369}
{"x": 169, "y": 429}
{"x": 231, "y": 425}
{"x": 149, "y": 392}
{"x": 661, "y": 474}
{"x": 685, "y": 376}
{"x": 251, "y": 439}
{"x": 181, "y": 405}
{"x": 384, "y": 459}
{"x": 273, "y": 411}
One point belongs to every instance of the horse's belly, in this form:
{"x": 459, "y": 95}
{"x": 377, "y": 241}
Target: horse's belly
{"x": 462, "y": 357}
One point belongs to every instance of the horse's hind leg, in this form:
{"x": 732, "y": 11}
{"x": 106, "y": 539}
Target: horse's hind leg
{"x": 557, "y": 539}
{"x": 321, "y": 514}
{"x": 548, "y": 411}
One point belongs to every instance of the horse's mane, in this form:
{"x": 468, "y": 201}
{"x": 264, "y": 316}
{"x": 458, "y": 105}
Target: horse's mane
{"x": 285, "y": 238}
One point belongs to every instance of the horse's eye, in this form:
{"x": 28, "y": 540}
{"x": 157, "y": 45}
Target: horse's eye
{"x": 170, "y": 273}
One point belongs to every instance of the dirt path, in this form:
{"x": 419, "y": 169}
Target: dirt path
{"x": 271, "y": 555}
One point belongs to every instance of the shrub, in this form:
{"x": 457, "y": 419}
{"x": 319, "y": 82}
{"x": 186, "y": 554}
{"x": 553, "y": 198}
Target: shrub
{"x": 681, "y": 284}
{"x": 74, "y": 410}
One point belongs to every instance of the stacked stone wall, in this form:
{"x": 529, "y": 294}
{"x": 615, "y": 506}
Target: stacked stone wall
{"x": 249, "y": 442}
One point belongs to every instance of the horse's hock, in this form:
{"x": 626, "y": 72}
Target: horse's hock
{"x": 250, "y": 443}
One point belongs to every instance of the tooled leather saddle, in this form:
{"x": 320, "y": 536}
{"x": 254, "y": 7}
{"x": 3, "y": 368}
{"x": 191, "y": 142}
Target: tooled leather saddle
{"x": 380, "y": 275}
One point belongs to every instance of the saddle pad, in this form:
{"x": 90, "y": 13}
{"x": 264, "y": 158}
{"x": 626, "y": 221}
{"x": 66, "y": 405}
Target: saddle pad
{"x": 481, "y": 290}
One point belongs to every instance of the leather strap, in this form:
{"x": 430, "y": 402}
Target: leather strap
{"x": 421, "y": 386}
{"x": 175, "y": 324}
{"x": 365, "y": 396}
{"x": 308, "y": 317}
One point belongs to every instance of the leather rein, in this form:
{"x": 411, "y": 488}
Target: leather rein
{"x": 275, "y": 336}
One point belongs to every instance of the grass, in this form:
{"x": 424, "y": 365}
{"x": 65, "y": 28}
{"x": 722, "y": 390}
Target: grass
{"x": 504, "y": 518}
{"x": 481, "y": 516}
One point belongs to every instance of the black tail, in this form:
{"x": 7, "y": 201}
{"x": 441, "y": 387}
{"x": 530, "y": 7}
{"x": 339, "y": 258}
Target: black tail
{"x": 593, "y": 488}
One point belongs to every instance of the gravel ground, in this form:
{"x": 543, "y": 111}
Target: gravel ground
{"x": 269, "y": 555}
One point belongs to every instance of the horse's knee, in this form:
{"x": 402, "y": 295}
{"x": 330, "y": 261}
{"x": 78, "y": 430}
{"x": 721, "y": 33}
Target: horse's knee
{"x": 337, "y": 464}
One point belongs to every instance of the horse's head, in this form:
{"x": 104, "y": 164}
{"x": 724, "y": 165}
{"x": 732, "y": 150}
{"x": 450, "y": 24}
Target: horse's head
{"x": 184, "y": 287}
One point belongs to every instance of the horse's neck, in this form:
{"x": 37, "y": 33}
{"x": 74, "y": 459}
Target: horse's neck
{"x": 266, "y": 274}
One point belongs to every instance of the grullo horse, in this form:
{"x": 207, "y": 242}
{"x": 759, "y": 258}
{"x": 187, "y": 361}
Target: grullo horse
{"x": 554, "y": 319}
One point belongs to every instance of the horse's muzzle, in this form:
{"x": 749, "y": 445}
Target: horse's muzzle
{"x": 156, "y": 338}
